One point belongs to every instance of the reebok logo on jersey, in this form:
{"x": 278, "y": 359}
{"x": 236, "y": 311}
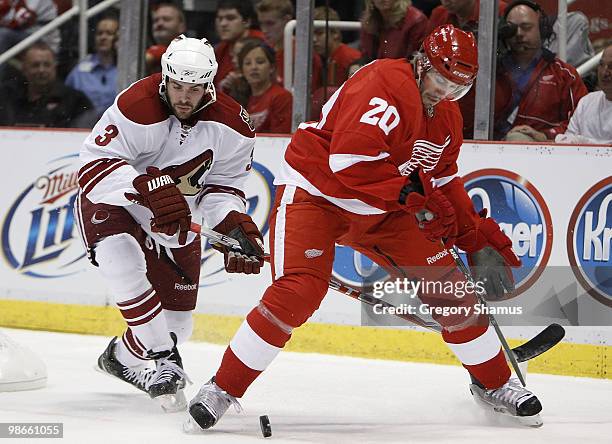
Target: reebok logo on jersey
{"x": 437, "y": 256}
{"x": 185, "y": 287}
{"x": 158, "y": 182}
{"x": 312, "y": 253}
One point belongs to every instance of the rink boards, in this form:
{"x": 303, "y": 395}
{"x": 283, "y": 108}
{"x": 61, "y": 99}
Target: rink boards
{"x": 554, "y": 201}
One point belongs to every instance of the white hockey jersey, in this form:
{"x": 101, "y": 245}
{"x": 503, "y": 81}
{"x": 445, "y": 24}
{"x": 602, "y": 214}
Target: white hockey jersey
{"x": 209, "y": 157}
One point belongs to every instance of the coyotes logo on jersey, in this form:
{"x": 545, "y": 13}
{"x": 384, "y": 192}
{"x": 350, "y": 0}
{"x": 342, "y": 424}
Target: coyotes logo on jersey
{"x": 188, "y": 175}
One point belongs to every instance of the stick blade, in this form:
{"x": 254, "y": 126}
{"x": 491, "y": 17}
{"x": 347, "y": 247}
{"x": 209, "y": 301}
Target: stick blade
{"x": 542, "y": 342}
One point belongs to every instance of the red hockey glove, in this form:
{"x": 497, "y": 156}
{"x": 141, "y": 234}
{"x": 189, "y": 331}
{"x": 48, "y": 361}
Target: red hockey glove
{"x": 241, "y": 227}
{"x": 433, "y": 210}
{"x": 490, "y": 257}
{"x": 158, "y": 192}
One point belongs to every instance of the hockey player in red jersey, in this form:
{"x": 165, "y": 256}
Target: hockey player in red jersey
{"x": 169, "y": 149}
{"x": 385, "y": 148}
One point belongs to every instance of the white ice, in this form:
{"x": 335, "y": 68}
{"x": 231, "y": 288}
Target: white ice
{"x": 309, "y": 398}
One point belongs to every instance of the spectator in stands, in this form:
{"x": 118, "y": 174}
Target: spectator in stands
{"x": 233, "y": 76}
{"x": 268, "y": 103}
{"x": 462, "y": 14}
{"x": 43, "y": 100}
{"x": 391, "y": 29}
{"x": 536, "y": 93}
{"x": 273, "y": 15}
{"x": 234, "y": 20}
{"x": 96, "y": 75}
{"x": 21, "y": 18}
{"x": 591, "y": 122}
{"x": 167, "y": 23}
{"x": 336, "y": 56}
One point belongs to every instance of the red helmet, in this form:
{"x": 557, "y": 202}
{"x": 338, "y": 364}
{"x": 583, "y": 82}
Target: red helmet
{"x": 453, "y": 53}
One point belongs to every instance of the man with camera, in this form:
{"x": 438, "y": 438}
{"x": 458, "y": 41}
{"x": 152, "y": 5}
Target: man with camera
{"x": 536, "y": 93}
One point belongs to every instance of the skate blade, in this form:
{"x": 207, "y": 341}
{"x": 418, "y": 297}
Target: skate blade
{"x": 533, "y": 421}
{"x": 191, "y": 427}
{"x": 173, "y": 403}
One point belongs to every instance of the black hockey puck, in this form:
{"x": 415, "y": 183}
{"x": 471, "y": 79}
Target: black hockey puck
{"x": 266, "y": 428}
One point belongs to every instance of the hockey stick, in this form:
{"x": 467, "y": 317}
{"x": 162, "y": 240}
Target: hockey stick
{"x": 230, "y": 242}
{"x": 540, "y": 343}
{"x": 507, "y": 350}
{"x": 424, "y": 216}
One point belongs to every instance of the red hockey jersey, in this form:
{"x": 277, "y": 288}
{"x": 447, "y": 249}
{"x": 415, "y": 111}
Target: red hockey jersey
{"x": 373, "y": 133}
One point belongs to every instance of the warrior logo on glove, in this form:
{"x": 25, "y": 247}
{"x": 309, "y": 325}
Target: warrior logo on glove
{"x": 159, "y": 182}
{"x": 157, "y": 192}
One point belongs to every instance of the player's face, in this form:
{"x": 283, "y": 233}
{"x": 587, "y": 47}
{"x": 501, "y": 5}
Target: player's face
{"x": 230, "y": 24}
{"x": 527, "y": 36}
{"x": 167, "y": 25}
{"x": 106, "y": 35}
{"x": 272, "y": 24}
{"x": 256, "y": 67}
{"x": 435, "y": 88}
{"x": 39, "y": 68}
{"x": 604, "y": 73}
{"x": 184, "y": 97}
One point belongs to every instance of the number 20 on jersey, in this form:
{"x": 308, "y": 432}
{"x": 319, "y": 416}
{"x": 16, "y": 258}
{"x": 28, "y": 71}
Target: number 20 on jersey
{"x": 383, "y": 115}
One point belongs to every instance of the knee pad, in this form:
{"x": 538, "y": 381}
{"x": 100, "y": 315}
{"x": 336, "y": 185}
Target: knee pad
{"x": 123, "y": 266}
{"x": 294, "y": 298}
{"x": 181, "y": 323}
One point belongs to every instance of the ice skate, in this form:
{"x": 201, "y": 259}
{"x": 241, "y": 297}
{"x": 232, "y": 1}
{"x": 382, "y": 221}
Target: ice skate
{"x": 208, "y": 406}
{"x": 138, "y": 377}
{"x": 510, "y": 399}
{"x": 167, "y": 384}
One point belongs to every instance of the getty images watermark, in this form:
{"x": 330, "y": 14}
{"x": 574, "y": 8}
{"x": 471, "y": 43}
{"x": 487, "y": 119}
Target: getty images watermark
{"x": 413, "y": 288}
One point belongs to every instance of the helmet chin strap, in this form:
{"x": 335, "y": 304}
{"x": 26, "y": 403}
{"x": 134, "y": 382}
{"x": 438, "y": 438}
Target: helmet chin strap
{"x": 210, "y": 91}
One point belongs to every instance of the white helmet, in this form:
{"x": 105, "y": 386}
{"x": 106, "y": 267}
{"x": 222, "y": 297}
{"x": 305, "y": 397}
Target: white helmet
{"x": 192, "y": 61}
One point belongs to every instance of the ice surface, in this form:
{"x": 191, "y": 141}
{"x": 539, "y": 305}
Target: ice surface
{"x": 309, "y": 398}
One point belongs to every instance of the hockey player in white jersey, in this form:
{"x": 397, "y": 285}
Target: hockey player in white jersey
{"x": 169, "y": 149}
